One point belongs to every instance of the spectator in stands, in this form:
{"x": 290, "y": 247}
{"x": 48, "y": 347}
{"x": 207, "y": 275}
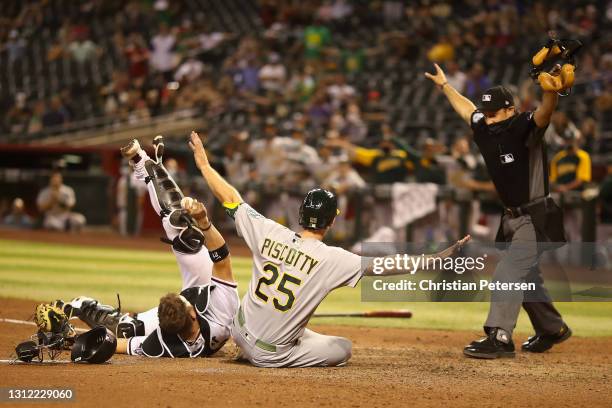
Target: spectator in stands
{"x": 603, "y": 103}
{"x": 82, "y": 49}
{"x": 189, "y": 70}
{"x": 55, "y": 202}
{"x": 344, "y": 181}
{"x": 340, "y": 91}
{"x": 604, "y": 231}
{"x": 561, "y": 130}
{"x": 455, "y": 77}
{"x": 15, "y": 46}
{"x": 56, "y": 115}
{"x": 589, "y": 134}
{"x": 477, "y": 82}
{"x": 273, "y": 75}
{"x": 354, "y": 125}
{"x": 316, "y": 37}
{"x": 424, "y": 164}
{"x": 465, "y": 175}
{"x": 570, "y": 170}
{"x": 18, "y": 218}
{"x": 303, "y": 84}
{"x": 137, "y": 56}
{"x": 163, "y": 58}
{"x": 244, "y": 72}
{"x": 35, "y": 126}
{"x": 387, "y": 164}
{"x": 266, "y": 154}
{"x": 235, "y": 161}
{"x": 55, "y": 51}
{"x": 442, "y": 51}
{"x": 210, "y": 40}
{"x": 319, "y": 109}
{"x": 18, "y": 117}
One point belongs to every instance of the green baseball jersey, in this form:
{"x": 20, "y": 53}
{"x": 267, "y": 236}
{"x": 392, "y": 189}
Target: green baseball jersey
{"x": 568, "y": 166}
{"x": 291, "y": 275}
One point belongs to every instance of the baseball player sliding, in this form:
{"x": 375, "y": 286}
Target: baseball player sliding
{"x": 196, "y": 322}
{"x": 292, "y": 274}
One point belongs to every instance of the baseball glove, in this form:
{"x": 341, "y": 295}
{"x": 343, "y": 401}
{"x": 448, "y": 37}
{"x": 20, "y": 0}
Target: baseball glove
{"x": 554, "y": 64}
{"x": 51, "y": 319}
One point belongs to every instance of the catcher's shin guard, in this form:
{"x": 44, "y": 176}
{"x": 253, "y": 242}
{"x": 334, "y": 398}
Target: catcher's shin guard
{"x": 168, "y": 194}
{"x": 94, "y": 314}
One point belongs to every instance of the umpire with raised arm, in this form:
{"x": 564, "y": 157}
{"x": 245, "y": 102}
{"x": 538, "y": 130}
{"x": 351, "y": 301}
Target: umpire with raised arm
{"x": 514, "y": 151}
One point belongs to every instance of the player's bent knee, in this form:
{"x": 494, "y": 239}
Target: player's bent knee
{"x": 343, "y": 351}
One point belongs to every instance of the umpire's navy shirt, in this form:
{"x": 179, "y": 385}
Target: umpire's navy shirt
{"x": 515, "y": 156}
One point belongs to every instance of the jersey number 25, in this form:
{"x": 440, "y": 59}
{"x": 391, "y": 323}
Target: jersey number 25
{"x": 281, "y": 287}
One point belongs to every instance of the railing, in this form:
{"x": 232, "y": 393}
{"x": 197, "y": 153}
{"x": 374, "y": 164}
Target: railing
{"x": 108, "y": 129}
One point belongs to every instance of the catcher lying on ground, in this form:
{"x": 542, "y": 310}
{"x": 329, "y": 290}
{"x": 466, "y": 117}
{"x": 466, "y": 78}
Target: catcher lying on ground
{"x": 194, "y": 323}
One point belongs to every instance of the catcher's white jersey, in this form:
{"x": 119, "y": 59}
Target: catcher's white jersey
{"x": 291, "y": 275}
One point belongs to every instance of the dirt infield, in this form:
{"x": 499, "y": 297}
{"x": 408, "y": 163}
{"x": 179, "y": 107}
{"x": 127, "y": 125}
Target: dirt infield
{"x": 390, "y": 367}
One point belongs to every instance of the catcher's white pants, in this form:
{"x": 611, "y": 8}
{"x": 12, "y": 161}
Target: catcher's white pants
{"x": 196, "y": 269}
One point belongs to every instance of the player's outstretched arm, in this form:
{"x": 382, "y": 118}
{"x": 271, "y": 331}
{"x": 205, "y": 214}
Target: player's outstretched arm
{"x": 223, "y": 191}
{"x": 549, "y": 103}
{"x": 462, "y": 105}
{"x": 219, "y": 253}
{"x": 450, "y": 251}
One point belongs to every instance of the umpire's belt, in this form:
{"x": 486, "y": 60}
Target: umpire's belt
{"x": 526, "y": 208}
{"x": 254, "y": 341}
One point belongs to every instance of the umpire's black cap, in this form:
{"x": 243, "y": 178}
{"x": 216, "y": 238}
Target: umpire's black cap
{"x": 318, "y": 209}
{"x": 496, "y": 98}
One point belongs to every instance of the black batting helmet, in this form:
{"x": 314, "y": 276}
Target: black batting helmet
{"x": 95, "y": 346}
{"x": 318, "y": 209}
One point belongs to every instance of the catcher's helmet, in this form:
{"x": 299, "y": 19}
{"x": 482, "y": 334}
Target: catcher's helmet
{"x": 95, "y": 346}
{"x": 318, "y": 209}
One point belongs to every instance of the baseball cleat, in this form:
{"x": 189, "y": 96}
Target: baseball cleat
{"x": 541, "y": 343}
{"x": 158, "y": 144}
{"x": 130, "y": 150}
{"x": 497, "y": 344}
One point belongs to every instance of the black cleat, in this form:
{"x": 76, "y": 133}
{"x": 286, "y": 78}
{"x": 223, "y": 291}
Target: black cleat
{"x": 541, "y": 343}
{"x": 498, "y": 343}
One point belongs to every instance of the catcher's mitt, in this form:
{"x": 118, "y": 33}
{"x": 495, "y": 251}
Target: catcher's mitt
{"x": 554, "y": 64}
{"x": 51, "y": 319}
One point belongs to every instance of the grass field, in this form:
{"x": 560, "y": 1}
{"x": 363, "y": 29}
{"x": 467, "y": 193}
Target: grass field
{"x": 40, "y": 271}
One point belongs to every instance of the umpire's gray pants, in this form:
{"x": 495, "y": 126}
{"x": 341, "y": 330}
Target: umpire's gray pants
{"x": 520, "y": 264}
{"x": 310, "y": 350}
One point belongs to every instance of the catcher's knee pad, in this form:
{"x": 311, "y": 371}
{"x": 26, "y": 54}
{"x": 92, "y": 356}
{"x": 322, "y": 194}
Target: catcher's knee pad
{"x": 168, "y": 193}
{"x": 130, "y": 327}
{"x": 190, "y": 238}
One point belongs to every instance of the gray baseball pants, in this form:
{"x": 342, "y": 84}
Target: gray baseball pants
{"x": 520, "y": 264}
{"x": 310, "y": 350}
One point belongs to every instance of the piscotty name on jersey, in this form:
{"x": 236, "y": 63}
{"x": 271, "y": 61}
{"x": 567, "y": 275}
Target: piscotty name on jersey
{"x": 288, "y": 255}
